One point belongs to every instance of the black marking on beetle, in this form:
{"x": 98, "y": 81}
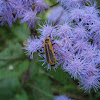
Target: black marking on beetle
{"x": 50, "y": 53}
{"x": 46, "y": 40}
{"x": 53, "y": 65}
{"x": 46, "y": 53}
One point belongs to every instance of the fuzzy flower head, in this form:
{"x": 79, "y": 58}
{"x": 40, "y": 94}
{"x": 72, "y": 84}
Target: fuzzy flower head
{"x": 91, "y": 13}
{"x": 19, "y": 9}
{"x": 95, "y": 28}
{"x": 65, "y": 57}
{"x": 64, "y": 43}
{"x": 64, "y": 31}
{"x": 77, "y": 15}
{"x": 27, "y": 2}
{"x": 80, "y": 32}
{"x": 30, "y": 18}
{"x": 91, "y": 78}
{"x": 32, "y": 45}
{"x": 6, "y": 12}
{"x": 6, "y": 17}
{"x": 91, "y": 10}
{"x": 7, "y": 4}
{"x": 69, "y": 4}
{"x": 88, "y": 19}
{"x": 75, "y": 68}
{"x": 80, "y": 45}
{"x": 95, "y": 33}
{"x": 11, "y": 10}
{"x": 40, "y": 5}
{"x": 89, "y": 54}
{"x": 97, "y": 59}
{"x": 63, "y": 51}
{"x": 47, "y": 30}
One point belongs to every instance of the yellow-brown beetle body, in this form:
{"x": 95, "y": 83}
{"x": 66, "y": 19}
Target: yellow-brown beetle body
{"x": 49, "y": 53}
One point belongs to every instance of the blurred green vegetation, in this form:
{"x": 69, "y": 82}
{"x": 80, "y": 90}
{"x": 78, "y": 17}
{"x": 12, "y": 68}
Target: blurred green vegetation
{"x": 25, "y": 79}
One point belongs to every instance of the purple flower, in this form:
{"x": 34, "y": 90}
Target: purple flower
{"x": 97, "y": 59}
{"x": 64, "y": 31}
{"x": 91, "y": 13}
{"x": 6, "y": 17}
{"x": 89, "y": 54}
{"x": 7, "y": 4}
{"x": 65, "y": 43}
{"x": 77, "y": 15}
{"x": 95, "y": 28}
{"x": 47, "y": 30}
{"x": 63, "y": 51}
{"x": 75, "y": 37}
{"x": 95, "y": 33}
{"x": 71, "y": 3}
{"x": 58, "y": 16}
{"x": 65, "y": 18}
{"x": 75, "y": 68}
{"x": 86, "y": 15}
{"x": 80, "y": 32}
{"x": 30, "y": 18}
{"x": 43, "y": 56}
{"x": 55, "y": 14}
{"x": 62, "y": 97}
{"x": 32, "y": 46}
{"x": 91, "y": 9}
{"x": 88, "y": 19}
{"x": 91, "y": 78}
{"x": 65, "y": 57}
{"x": 27, "y": 2}
{"x": 79, "y": 45}
{"x": 21, "y": 9}
{"x": 40, "y": 5}
{"x": 6, "y": 12}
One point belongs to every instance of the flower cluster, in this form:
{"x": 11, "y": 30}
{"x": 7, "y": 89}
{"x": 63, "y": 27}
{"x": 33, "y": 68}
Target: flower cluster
{"x": 26, "y": 10}
{"x": 68, "y": 4}
{"x": 75, "y": 33}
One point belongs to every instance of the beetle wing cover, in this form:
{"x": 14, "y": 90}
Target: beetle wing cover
{"x": 48, "y": 49}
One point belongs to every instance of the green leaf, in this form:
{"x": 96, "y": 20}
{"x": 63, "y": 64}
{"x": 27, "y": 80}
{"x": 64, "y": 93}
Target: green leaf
{"x": 18, "y": 69}
{"x": 21, "y": 96}
{"x": 21, "y": 32}
{"x": 13, "y": 51}
{"x": 59, "y": 75}
{"x": 43, "y": 86}
{"x": 8, "y": 87}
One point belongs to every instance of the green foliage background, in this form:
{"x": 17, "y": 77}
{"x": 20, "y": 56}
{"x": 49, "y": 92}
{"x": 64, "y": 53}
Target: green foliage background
{"x": 25, "y": 79}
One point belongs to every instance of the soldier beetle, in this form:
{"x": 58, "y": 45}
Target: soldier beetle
{"x": 49, "y": 53}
